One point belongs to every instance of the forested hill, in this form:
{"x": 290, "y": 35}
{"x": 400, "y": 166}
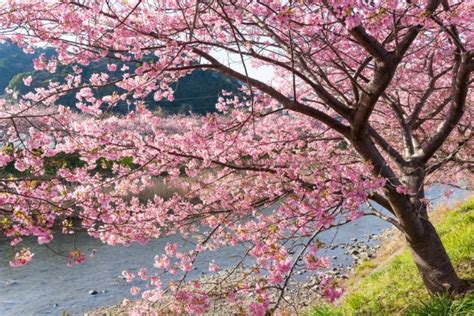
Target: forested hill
{"x": 196, "y": 93}
{"x": 14, "y": 61}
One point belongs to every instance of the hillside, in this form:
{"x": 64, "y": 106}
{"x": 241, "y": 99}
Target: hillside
{"x": 14, "y": 61}
{"x": 196, "y": 93}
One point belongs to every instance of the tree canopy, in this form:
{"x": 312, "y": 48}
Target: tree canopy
{"x": 370, "y": 101}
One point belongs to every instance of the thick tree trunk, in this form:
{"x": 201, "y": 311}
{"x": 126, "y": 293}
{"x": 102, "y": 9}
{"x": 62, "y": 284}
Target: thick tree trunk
{"x": 427, "y": 250}
{"x": 434, "y": 264}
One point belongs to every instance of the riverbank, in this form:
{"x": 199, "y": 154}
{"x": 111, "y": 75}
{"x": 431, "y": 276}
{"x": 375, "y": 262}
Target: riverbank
{"x": 390, "y": 284}
{"x": 303, "y": 289}
{"x": 382, "y": 279}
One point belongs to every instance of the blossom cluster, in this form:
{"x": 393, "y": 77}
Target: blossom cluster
{"x": 273, "y": 169}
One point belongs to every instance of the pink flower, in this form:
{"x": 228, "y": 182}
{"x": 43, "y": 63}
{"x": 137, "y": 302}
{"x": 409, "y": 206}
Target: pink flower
{"x": 213, "y": 267}
{"x": 15, "y": 241}
{"x": 27, "y": 81}
{"x": 75, "y": 257}
{"x": 4, "y": 160}
{"x": 111, "y": 67}
{"x": 194, "y": 302}
{"x": 142, "y": 273}
{"x": 329, "y": 290}
{"x": 170, "y": 249}
{"x": 52, "y": 65}
{"x": 186, "y": 264}
{"x": 259, "y": 309}
{"x": 21, "y": 258}
{"x": 331, "y": 294}
{"x": 45, "y": 238}
{"x": 155, "y": 281}
{"x": 128, "y": 276}
{"x": 158, "y": 96}
{"x": 40, "y": 62}
{"x": 152, "y": 295}
{"x": 312, "y": 262}
{"x": 77, "y": 70}
{"x": 285, "y": 265}
{"x": 20, "y": 165}
{"x": 135, "y": 290}
{"x": 162, "y": 262}
{"x": 84, "y": 93}
{"x": 404, "y": 190}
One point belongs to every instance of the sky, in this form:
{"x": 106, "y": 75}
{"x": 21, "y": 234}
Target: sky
{"x": 264, "y": 73}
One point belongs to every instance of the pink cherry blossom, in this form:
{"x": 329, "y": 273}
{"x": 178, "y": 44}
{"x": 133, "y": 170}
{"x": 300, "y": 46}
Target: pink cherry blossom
{"x": 170, "y": 249}
{"x": 129, "y": 277}
{"x": 21, "y": 258}
{"x": 27, "y": 81}
{"x": 75, "y": 257}
{"x": 213, "y": 267}
{"x": 135, "y": 290}
{"x": 111, "y": 67}
{"x": 366, "y": 101}
{"x": 161, "y": 262}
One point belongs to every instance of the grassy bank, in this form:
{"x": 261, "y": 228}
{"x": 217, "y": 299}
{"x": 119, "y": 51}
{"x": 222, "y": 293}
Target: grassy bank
{"x": 391, "y": 285}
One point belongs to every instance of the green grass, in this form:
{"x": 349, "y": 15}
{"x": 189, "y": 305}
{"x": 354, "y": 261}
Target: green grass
{"x": 444, "y": 306}
{"x": 396, "y": 287}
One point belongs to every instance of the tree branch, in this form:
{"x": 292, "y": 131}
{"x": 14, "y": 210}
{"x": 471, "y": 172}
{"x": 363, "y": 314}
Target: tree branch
{"x": 459, "y": 88}
{"x": 286, "y": 102}
{"x": 369, "y": 43}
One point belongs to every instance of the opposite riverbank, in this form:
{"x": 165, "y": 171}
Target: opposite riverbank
{"x": 390, "y": 284}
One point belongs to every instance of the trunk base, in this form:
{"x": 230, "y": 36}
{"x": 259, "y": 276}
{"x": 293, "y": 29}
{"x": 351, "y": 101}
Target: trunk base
{"x": 434, "y": 264}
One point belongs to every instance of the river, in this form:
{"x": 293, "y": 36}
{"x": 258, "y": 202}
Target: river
{"x": 48, "y": 286}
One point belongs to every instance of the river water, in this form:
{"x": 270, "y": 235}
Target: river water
{"x": 48, "y": 286}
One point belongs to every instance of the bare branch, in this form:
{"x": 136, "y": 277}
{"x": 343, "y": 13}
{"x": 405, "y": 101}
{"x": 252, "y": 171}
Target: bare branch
{"x": 460, "y": 87}
{"x": 289, "y": 104}
{"x": 369, "y": 43}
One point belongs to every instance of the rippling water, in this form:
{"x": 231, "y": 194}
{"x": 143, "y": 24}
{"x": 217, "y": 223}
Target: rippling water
{"x": 49, "y": 287}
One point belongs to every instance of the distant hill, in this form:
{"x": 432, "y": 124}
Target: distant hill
{"x": 13, "y": 61}
{"x": 196, "y": 93}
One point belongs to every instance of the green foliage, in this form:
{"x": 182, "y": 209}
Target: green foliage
{"x": 444, "y": 306}
{"x": 128, "y": 162}
{"x": 51, "y": 164}
{"x": 62, "y": 160}
{"x": 365, "y": 265}
{"x": 396, "y": 287}
{"x": 66, "y": 160}
{"x": 9, "y": 171}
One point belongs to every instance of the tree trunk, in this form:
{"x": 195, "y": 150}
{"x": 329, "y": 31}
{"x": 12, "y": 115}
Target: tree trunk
{"x": 434, "y": 264}
{"x": 427, "y": 250}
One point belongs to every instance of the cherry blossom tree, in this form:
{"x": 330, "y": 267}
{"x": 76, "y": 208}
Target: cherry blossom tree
{"x": 368, "y": 102}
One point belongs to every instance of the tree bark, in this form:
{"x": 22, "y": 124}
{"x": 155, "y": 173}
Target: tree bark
{"x": 427, "y": 250}
{"x": 433, "y": 263}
